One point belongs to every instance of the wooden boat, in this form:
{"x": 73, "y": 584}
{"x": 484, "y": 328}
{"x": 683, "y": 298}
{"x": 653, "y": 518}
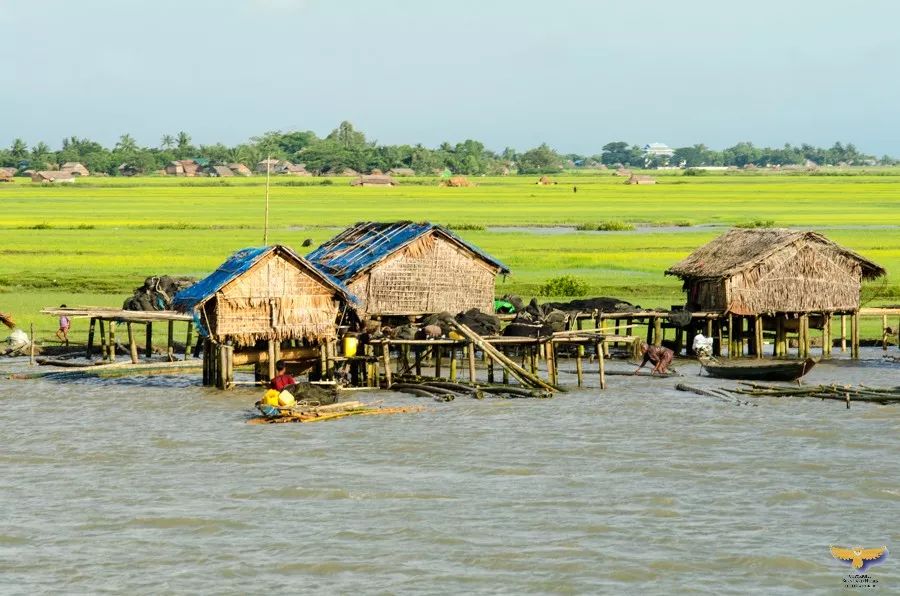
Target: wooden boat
{"x": 757, "y": 370}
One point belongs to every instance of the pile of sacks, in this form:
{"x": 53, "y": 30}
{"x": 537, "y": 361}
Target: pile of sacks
{"x": 157, "y": 293}
{"x": 438, "y": 326}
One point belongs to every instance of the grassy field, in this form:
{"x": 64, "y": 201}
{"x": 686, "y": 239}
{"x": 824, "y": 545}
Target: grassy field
{"x": 92, "y": 242}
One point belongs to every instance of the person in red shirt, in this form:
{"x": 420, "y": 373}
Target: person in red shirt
{"x": 282, "y": 379}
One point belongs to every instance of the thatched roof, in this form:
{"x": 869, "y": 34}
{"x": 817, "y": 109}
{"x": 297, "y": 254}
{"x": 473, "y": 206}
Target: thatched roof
{"x": 53, "y": 176}
{"x": 241, "y": 262}
{"x": 240, "y": 169}
{"x": 742, "y": 249}
{"x": 357, "y": 249}
{"x": 374, "y": 180}
{"x": 402, "y": 172}
{"x": 221, "y": 171}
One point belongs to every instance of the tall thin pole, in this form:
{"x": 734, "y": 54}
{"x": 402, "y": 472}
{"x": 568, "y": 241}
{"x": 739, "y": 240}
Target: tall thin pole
{"x": 266, "y": 227}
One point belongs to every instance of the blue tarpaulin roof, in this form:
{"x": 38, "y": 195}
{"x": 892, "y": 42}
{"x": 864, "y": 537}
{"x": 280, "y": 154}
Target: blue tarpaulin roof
{"x": 239, "y": 263}
{"x": 356, "y": 249}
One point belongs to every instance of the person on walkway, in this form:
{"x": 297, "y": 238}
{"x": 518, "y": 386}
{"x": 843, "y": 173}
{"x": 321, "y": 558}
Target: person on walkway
{"x": 282, "y": 379}
{"x": 660, "y": 357}
{"x": 64, "y": 324}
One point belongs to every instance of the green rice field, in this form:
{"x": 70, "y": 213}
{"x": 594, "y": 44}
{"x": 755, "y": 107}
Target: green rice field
{"x": 94, "y": 241}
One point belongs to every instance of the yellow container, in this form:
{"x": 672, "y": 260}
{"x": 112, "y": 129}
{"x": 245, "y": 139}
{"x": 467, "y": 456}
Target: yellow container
{"x": 285, "y": 399}
{"x": 350, "y": 345}
{"x": 270, "y": 398}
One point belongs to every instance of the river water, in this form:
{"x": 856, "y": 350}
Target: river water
{"x": 158, "y": 485}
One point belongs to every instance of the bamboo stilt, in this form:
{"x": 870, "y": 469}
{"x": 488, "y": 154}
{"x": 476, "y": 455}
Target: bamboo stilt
{"x": 90, "y": 342}
{"x": 601, "y": 363}
{"x": 148, "y": 340}
{"x": 843, "y": 333}
{"x": 170, "y": 350}
{"x": 188, "y": 340}
{"x": 731, "y": 348}
{"x": 132, "y": 343}
{"x": 490, "y": 370}
{"x": 112, "y": 341}
{"x": 453, "y": 363}
{"x": 386, "y": 359}
{"x": 780, "y": 339}
{"x": 438, "y": 361}
{"x": 270, "y": 348}
{"x": 826, "y": 336}
{"x": 104, "y": 350}
{"x": 470, "y": 352}
{"x": 579, "y": 366}
{"x": 222, "y": 372}
{"x": 854, "y": 345}
{"x": 657, "y": 332}
{"x": 884, "y": 332}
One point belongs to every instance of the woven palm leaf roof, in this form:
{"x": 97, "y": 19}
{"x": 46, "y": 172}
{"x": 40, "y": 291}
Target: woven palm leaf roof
{"x": 741, "y": 249}
{"x": 358, "y": 248}
{"x": 241, "y": 262}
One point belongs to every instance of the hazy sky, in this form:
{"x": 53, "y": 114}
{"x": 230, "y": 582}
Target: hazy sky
{"x": 573, "y": 73}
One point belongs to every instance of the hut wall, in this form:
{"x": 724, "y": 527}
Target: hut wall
{"x": 429, "y": 275}
{"x": 277, "y": 300}
{"x": 802, "y": 277}
{"x": 706, "y": 294}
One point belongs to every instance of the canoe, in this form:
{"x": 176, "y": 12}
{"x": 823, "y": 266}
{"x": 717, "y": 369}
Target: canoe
{"x": 757, "y": 370}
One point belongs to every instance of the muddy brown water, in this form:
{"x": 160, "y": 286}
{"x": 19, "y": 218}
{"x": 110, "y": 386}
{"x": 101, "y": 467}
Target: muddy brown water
{"x": 149, "y": 485}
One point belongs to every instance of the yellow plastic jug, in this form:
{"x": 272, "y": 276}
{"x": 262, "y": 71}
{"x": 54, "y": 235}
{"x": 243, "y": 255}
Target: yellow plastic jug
{"x": 351, "y": 343}
{"x": 271, "y": 398}
{"x": 286, "y": 399}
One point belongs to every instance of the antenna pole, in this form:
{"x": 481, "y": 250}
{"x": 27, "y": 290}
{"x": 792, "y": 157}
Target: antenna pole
{"x": 266, "y": 227}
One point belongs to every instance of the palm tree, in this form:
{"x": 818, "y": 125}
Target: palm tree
{"x": 183, "y": 140}
{"x": 167, "y": 142}
{"x": 126, "y": 144}
{"x": 19, "y": 149}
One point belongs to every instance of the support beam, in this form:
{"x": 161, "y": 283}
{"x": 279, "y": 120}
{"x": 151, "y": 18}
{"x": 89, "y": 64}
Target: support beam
{"x": 148, "y": 340}
{"x": 470, "y": 352}
{"x": 112, "y": 341}
{"x": 601, "y": 363}
{"x": 386, "y": 360}
{"x": 854, "y": 335}
{"x": 270, "y": 349}
{"x": 170, "y": 345}
{"x": 843, "y": 333}
{"x": 780, "y": 337}
{"x": 826, "y": 336}
{"x": 90, "y": 341}
{"x": 132, "y": 343}
{"x": 188, "y": 339}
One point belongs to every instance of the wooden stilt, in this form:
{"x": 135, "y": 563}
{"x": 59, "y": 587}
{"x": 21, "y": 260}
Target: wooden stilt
{"x": 579, "y": 370}
{"x": 148, "y": 340}
{"x": 386, "y": 359}
{"x": 843, "y": 333}
{"x": 90, "y": 342}
{"x": 854, "y": 340}
{"x": 884, "y": 333}
{"x": 780, "y": 340}
{"x": 533, "y": 359}
{"x": 438, "y": 361}
{"x": 731, "y": 342}
{"x": 132, "y": 343}
{"x": 270, "y": 347}
{"x": 206, "y": 363}
{"x": 229, "y": 366}
{"x": 453, "y": 364}
{"x": 717, "y": 343}
{"x": 804, "y": 336}
{"x": 470, "y": 352}
{"x": 490, "y": 370}
{"x": 104, "y": 350}
{"x": 658, "y": 335}
{"x": 826, "y": 336}
{"x": 170, "y": 349}
{"x": 601, "y": 363}
{"x": 551, "y": 361}
{"x": 112, "y": 341}
{"x": 188, "y": 339}
{"x": 222, "y": 373}
{"x": 417, "y": 354}
{"x": 758, "y": 334}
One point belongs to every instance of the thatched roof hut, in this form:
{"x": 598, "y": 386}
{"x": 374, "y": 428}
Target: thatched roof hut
{"x": 768, "y": 271}
{"x": 53, "y": 177}
{"x": 220, "y": 171}
{"x": 407, "y": 268}
{"x": 128, "y": 169}
{"x": 76, "y": 168}
{"x": 295, "y": 169}
{"x": 374, "y": 180}
{"x": 268, "y": 293}
{"x": 545, "y": 181}
{"x": 639, "y": 179}
{"x": 401, "y": 172}
{"x": 457, "y": 182}
{"x": 174, "y": 168}
{"x": 267, "y": 165}
{"x": 240, "y": 169}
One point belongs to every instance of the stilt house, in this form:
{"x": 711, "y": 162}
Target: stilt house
{"x": 408, "y": 268}
{"x": 771, "y": 271}
{"x": 268, "y": 293}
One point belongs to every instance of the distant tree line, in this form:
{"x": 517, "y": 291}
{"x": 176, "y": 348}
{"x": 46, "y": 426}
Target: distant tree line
{"x": 345, "y": 147}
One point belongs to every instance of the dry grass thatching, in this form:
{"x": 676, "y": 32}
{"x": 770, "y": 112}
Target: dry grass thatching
{"x": 457, "y": 182}
{"x": 545, "y": 181}
{"x": 639, "y": 179}
{"x": 623, "y": 172}
{"x": 374, "y": 180}
{"x": 757, "y": 271}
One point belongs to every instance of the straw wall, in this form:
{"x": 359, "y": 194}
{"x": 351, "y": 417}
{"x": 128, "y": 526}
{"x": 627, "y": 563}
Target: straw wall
{"x": 275, "y": 299}
{"x": 429, "y": 275}
{"x": 801, "y": 277}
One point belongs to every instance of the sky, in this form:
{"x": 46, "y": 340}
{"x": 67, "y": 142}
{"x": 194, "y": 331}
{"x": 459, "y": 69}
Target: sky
{"x": 575, "y": 74}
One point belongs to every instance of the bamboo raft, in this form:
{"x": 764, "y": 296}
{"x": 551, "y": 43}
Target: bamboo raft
{"x": 303, "y": 413}
{"x": 844, "y": 393}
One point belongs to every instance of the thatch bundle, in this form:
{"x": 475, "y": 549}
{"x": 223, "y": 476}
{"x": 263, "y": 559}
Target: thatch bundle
{"x": 545, "y": 181}
{"x": 757, "y": 271}
{"x": 457, "y": 182}
{"x": 639, "y": 179}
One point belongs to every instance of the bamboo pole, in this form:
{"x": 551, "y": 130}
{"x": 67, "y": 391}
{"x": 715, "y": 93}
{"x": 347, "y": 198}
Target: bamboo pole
{"x": 453, "y": 363}
{"x": 780, "y": 343}
{"x": 884, "y": 332}
{"x": 731, "y": 350}
{"x": 386, "y": 358}
{"x": 579, "y": 370}
{"x": 470, "y": 352}
{"x": 112, "y": 341}
{"x": 132, "y": 343}
{"x": 551, "y": 362}
{"x": 148, "y": 340}
{"x": 854, "y": 325}
{"x": 90, "y": 341}
{"x": 826, "y": 336}
{"x": 418, "y": 358}
{"x": 270, "y": 349}
{"x": 521, "y": 374}
{"x": 229, "y": 366}
{"x": 438, "y": 361}
{"x": 657, "y": 332}
{"x": 104, "y": 351}
{"x": 222, "y": 373}
{"x": 490, "y": 370}
{"x": 188, "y": 340}
{"x": 205, "y": 362}
{"x": 170, "y": 345}
{"x": 601, "y": 364}
{"x": 31, "y": 346}
{"x": 843, "y": 333}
